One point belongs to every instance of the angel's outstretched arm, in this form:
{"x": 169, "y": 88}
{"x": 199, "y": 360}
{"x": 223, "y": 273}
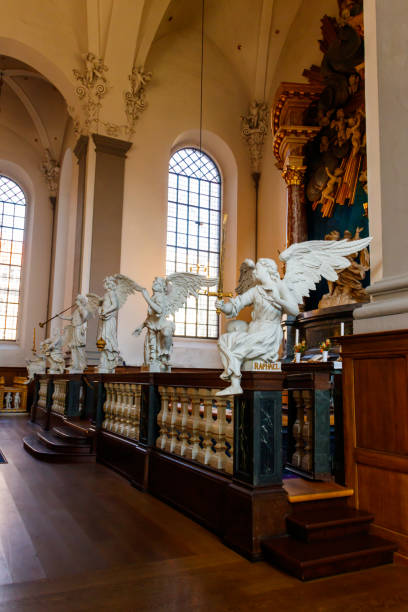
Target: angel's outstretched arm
{"x": 235, "y": 305}
{"x": 149, "y": 300}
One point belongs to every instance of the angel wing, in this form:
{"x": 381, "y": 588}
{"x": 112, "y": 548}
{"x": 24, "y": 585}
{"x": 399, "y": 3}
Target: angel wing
{"x": 94, "y": 301}
{"x": 181, "y": 286}
{"x": 125, "y": 286}
{"x": 307, "y": 262}
{"x": 246, "y": 276}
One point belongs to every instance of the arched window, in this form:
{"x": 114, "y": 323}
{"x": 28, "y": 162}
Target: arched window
{"x": 12, "y": 220}
{"x": 193, "y": 234}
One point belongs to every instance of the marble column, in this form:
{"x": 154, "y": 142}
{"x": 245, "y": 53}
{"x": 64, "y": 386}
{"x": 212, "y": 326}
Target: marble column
{"x": 296, "y": 220}
{"x": 386, "y": 61}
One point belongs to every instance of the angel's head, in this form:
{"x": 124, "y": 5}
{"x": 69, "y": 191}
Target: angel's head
{"x": 81, "y": 300}
{"x": 159, "y": 284}
{"x": 109, "y": 283}
{"x": 266, "y": 270}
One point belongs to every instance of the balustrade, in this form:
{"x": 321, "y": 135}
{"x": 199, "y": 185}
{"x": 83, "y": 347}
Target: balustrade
{"x": 309, "y": 397}
{"x": 42, "y": 393}
{"x": 196, "y": 424}
{"x": 59, "y": 396}
{"x": 122, "y": 409}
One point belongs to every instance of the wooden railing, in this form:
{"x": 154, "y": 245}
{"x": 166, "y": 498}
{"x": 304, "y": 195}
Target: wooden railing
{"x": 122, "y": 409}
{"x": 198, "y": 425}
{"x": 171, "y": 435}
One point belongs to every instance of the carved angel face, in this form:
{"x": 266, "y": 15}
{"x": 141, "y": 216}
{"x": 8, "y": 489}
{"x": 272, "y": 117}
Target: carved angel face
{"x": 159, "y": 284}
{"x": 265, "y": 270}
{"x": 109, "y": 283}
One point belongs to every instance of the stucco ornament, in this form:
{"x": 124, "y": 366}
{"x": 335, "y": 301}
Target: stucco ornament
{"x": 135, "y": 98}
{"x": 52, "y": 348}
{"x": 261, "y": 287}
{"x": 254, "y": 128}
{"x": 93, "y": 87}
{"x": 168, "y": 295}
{"x": 37, "y": 364}
{"x": 75, "y": 333}
{"x": 118, "y": 288}
{"x": 51, "y": 171}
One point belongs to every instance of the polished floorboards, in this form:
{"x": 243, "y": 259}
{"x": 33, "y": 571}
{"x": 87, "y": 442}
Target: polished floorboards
{"x": 78, "y": 537}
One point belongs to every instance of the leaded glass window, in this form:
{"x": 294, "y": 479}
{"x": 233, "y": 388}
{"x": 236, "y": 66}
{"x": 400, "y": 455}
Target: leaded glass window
{"x": 12, "y": 221}
{"x": 193, "y": 234}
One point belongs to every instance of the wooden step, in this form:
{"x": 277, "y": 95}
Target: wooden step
{"x": 62, "y": 446}
{"x": 309, "y": 560}
{"x": 70, "y": 434}
{"x": 328, "y": 523}
{"x": 38, "y": 450}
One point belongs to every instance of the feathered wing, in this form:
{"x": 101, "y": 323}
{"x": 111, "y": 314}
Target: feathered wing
{"x": 94, "y": 301}
{"x": 307, "y": 262}
{"x": 246, "y": 276}
{"x": 125, "y": 286}
{"x": 182, "y": 285}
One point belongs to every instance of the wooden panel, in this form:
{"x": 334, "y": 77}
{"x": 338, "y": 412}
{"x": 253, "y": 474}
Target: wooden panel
{"x": 381, "y": 404}
{"x": 124, "y": 456}
{"x": 198, "y": 492}
{"x": 385, "y": 494}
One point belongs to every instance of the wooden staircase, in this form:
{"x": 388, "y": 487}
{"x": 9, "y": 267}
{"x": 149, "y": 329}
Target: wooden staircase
{"x": 327, "y": 537}
{"x": 63, "y": 444}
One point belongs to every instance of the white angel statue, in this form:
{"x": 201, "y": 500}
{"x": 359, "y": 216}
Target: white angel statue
{"x": 52, "y": 348}
{"x": 118, "y": 288}
{"x": 75, "y": 333}
{"x": 37, "y": 364}
{"x": 261, "y": 287}
{"x": 169, "y": 294}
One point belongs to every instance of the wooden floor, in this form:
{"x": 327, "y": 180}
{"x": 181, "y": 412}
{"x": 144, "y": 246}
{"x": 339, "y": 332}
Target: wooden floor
{"x": 79, "y": 537}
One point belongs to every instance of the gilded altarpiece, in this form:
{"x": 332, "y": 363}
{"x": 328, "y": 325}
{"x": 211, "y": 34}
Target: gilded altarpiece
{"x": 320, "y": 147}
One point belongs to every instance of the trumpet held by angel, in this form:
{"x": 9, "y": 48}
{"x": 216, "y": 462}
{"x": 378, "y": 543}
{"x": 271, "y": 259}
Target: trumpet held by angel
{"x": 270, "y": 296}
{"x": 169, "y": 294}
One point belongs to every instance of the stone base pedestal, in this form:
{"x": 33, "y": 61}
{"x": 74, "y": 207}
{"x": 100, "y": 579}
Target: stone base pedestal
{"x": 388, "y": 309}
{"x": 317, "y": 325}
{"x": 256, "y": 513}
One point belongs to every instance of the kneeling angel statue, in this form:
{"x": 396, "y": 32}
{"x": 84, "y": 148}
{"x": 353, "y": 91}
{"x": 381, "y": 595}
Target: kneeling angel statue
{"x": 261, "y": 287}
{"x": 169, "y": 294}
{"x": 37, "y": 364}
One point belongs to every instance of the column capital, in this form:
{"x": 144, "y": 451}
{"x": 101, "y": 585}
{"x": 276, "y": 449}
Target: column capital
{"x": 294, "y": 175}
{"x": 111, "y": 146}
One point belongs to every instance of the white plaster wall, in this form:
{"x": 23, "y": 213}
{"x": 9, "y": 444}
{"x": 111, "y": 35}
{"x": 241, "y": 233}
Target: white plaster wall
{"x": 173, "y": 116}
{"x": 21, "y": 162}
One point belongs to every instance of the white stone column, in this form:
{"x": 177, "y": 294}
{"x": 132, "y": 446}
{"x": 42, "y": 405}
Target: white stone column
{"x": 386, "y": 64}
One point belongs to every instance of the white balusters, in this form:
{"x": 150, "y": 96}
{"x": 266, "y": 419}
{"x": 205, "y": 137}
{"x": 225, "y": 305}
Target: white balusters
{"x": 198, "y": 425}
{"x": 42, "y": 393}
{"x": 122, "y": 409}
{"x": 58, "y": 396}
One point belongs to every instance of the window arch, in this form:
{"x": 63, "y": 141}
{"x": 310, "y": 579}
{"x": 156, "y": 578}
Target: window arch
{"x": 12, "y": 221}
{"x": 193, "y": 234}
